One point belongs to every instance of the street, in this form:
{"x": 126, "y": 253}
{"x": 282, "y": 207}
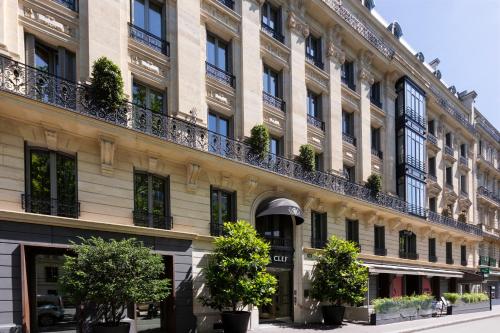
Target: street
{"x": 483, "y": 326}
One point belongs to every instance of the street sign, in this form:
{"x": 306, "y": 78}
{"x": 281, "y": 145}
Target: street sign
{"x": 485, "y": 270}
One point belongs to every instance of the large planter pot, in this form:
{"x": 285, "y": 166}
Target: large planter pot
{"x": 333, "y": 314}
{"x": 449, "y": 310}
{"x": 122, "y": 328}
{"x": 235, "y": 322}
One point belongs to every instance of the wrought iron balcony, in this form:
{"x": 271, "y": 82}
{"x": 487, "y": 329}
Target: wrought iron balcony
{"x": 315, "y": 61}
{"x": 408, "y": 255}
{"x": 432, "y": 139}
{"x": 145, "y": 219}
{"x": 19, "y": 79}
{"x": 448, "y": 150}
{"x": 316, "y": 122}
{"x": 274, "y": 101}
{"x": 70, "y": 4}
{"x": 379, "y": 252}
{"x": 410, "y": 113}
{"x": 433, "y": 258}
{"x": 463, "y": 160}
{"x": 378, "y": 153}
{"x": 273, "y": 33}
{"x": 228, "y": 3}
{"x": 448, "y": 186}
{"x": 463, "y": 262}
{"x": 219, "y": 74}
{"x": 481, "y": 190}
{"x": 318, "y": 243}
{"x": 50, "y": 206}
{"x": 349, "y": 139}
{"x": 148, "y": 39}
{"x": 450, "y": 261}
{"x": 432, "y": 177}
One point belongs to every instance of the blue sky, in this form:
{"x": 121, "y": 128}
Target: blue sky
{"x": 464, "y": 35}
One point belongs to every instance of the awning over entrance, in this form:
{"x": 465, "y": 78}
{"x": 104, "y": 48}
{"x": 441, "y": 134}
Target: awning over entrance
{"x": 397, "y": 269}
{"x": 471, "y": 278}
{"x": 281, "y": 206}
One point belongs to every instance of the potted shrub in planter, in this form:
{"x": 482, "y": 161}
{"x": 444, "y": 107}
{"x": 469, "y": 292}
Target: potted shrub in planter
{"x": 338, "y": 277}
{"x": 236, "y": 275}
{"x": 106, "y": 85}
{"x": 106, "y": 276}
{"x": 306, "y": 157}
{"x": 259, "y": 141}
{"x": 374, "y": 183}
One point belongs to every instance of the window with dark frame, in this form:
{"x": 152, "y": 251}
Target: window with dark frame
{"x": 463, "y": 255}
{"x": 148, "y": 16}
{"x": 218, "y": 53}
{"x": 463, "y": 150}
{"x": 449, "y": 175}
{"x": 347, "y": 123}
{"x": 431, "y": 127}
{"x": 51, "y": 274}
{"x": 151, "y": 201}
{"x": 449, "y": 252}
{"x": 319, "y": 230}
{"x": 463, "y": 184}
{"x": 375, "y": 94}
{"x": 271, "y": 82}
{"x": 347, "y": 74}
{"x": 275, "y": 146}
{"x": 349, "y": 173}
{"x": 147, "y": 97}
{"x": 432, "y": 250}
{"x": 352, "y": 231}
{"x": 375, "y": 139}
{"x": 433, "y": 204}
{"x": 51, "y": 183}
{"x": 313, "y": 50}
{"x": 432, "y": 166}
{"x": 318, "y": 161}
{"x": 407, "y": 245}
{"x": 222, "y": 209}
{"x": 448, "y": 140}
{"x": 379, "y": 234}
{"x": 219, "y": 131}
{"x": 313, "y": 105}
{"x": 270, "y": 17}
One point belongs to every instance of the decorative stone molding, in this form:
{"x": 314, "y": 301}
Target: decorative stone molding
{"x": 308, "y": 202}
{"x": 51, "y": 139}
{"x": 107, "y": 155}
{"x": 148, "y": 65}
{"x": 365, "y": 76}
{"x": 296, "y": 24}
{"x": 395, "y": 223}
{"x": 365, "y": 62}
{"x": 315, "y": 77}
{"x": 340, "y": 209}
{"x": 370, "y": 218}
{"x": 209, "y": 10}
{"x": 48, "y": 21}
{"x": 226, "y": 180}
{"x": 334, "y": 49}
{"x": 251, "y": 184}
{"x": 275, "y": 51}
{"x": 193, "y": 173}
{"x": 153, "y": 164}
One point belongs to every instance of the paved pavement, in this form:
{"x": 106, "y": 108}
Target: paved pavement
{"x": 436, "y": 324}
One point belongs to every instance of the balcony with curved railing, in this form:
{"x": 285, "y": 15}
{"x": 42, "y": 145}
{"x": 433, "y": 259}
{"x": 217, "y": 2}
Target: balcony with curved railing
{"x": 220, "y": 75}
{"x": 432, "y": 139}
{"x": 70, "y": 4}
{"x": 483, "y": 191}
{"x": 17, "y": 78}
{"x": 273, "y": 101}
{"x": 150, "y": 40}
{"x": 318, "y": 123}
{"x": 349, "y": 139}
{"x": 50, "y": 206}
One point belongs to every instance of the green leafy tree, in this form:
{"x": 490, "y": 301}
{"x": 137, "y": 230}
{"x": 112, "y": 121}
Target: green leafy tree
{"x": 111, "y": 275}
{"x": 306, "y": 157}
{"x": 259, "y": 141}
{"x": 374, "y": 183}
{"x": 107, "y": 84}
{"x": 338, "y": 276}
{"x": 236, "y": 273}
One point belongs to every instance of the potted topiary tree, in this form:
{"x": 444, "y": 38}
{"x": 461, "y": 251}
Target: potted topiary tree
{"x": 339, "y": 278}
{"x": 106, "y": 276}
{"x": 259, "y": 141}
{"x": 306, "y": 157}
{"x": 374, "y": 183}
{"x": 236, "y": 275}
{"x": 106, "y": 85}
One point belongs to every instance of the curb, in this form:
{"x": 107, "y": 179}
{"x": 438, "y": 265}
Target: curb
{"x": 420, "y": 329}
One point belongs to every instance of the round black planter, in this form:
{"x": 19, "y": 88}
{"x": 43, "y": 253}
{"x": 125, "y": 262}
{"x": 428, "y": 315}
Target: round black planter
{"x": 122, "y": 328}
{"x": 333, "y": 314}
{"x": 235, "y": 322}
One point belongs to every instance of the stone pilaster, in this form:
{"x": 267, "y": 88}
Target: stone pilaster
{"x": 366, "y": 80}
{"x": 389, "y": 174}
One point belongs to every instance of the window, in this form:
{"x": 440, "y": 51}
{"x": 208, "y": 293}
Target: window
{"x": 219, "y": 131}
{"x": 51, "y": 274}
{"x": 271, "y": 18}
{"x": 431, "y": 127}
{"x": 318, "y": 162}
{"x": 432, "y": 204}
{"x": 480, "y": 147}
{"x": 375, "y": 139}
{"x": 60, "y": 61}
{"x": 51, "y": 183}
{"x": 432, "y": 166}
{"x": 379, "y": 234}
{"x": 415, "y": 194}
{"x": 463, "y": 150}
{"x": 148, "y": 15}
{"x": 319, "y": 229}
{"x": 352, "y": 231}
{"x": 449, "y": 253}
{"x": 313, "y": 50}
{"x": 432, "y": 250}
{"x": 415, "y": 104}
{"x": 463, "y": 184}
{"x": 313, "y": 105}
{"x": 449, "y": 176}
{"x": 275, "y": 146}
{"x": 415, "y": 151}
{"x": 218, "y": 53}
{"x": 463, "y": 255}
{"x": 151, "y": 201}
{"x": 349, "y": 173}
{"x": 447, "y": 140}
{"x": 375, "y": 94}
{"x": 347, "y": 74}
{"x": 271, "y": 80}
{"x": 149, "y": 98}
{"x": 347, "y": 123}
{"x": 407, "y": 245}
{"x": 222, "y": 209}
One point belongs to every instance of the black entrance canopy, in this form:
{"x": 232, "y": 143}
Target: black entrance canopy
{"x": 281, "y": 206}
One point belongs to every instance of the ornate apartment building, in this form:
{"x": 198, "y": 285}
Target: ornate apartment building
{"x": 171, "y": 165}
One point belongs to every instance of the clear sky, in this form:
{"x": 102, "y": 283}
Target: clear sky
{"x": 464, "y": 35}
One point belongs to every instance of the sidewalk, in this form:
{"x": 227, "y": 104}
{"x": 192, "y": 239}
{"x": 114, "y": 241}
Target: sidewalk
{"x": 403, "y": 327}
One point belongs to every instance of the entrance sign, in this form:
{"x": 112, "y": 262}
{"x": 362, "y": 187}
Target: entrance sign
{"x": 283, "y": 259}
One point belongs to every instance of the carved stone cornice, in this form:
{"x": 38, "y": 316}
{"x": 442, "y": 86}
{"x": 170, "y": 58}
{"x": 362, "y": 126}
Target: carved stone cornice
{"x": 296, "y": 24}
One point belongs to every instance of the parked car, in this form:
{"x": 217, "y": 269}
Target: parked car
{"x": 50, "y": 309}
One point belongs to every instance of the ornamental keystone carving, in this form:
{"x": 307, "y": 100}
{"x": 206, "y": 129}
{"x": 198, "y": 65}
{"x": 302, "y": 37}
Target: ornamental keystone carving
{"x": 107, "y": 155}
{"x": 193, "y": 173}
{"x": 251, "y": 184}
{"x": 295, "y": 24}
{"x": 51, "y": 139}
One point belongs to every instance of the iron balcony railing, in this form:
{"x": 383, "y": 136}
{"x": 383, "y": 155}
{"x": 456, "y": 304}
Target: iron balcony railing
{"x": 70, "y": 4}
{"x": 151, "y": 220}
{"x": 316, "y": 122}
{"x": 410, "y": 113}
{"x": 432, "y": 177}
{"x": 408, "y": 255}
{"x": 349, "y": 139}
{"x": 463, "y": 160}
{"x": 414, "y": 162}
{"x": 219, "y": 74}
{"x": 378, "y": 153}
{"x": 273, "y": 33}
{"x": 50, "y": 206}
{"x": 379, "y": 251}
{"x": 273, "y": 101}
{"x": 432, "y": 139}
{"x": 448, "y": 150}
{"x": 433, "y": 258}
{"x": 481, "y": 190}
{"x": 448, "y": 185}
{"x": 228, "y": 3}
{"x": 149, "y": 39}
{"x": 315, "y": 61}
{"x": 28, "y": 82}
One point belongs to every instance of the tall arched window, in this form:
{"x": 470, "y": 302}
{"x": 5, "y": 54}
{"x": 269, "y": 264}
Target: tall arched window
{"x": 407, "y": 245}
